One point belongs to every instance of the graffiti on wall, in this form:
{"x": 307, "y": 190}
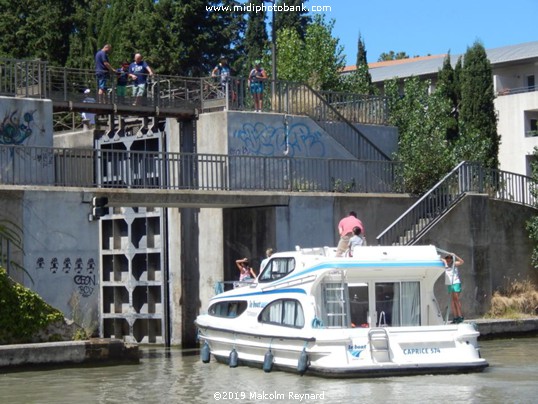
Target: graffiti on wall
{"x": 15, "y": 128}
{"x": 83, "y": 275}
{"x": 294, "y": 140}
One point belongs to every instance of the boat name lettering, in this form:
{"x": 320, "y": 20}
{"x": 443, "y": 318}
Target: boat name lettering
{"x": 256, "y": 305}
{"x": 354, "y": 346}
{"x": 421, "y": 351}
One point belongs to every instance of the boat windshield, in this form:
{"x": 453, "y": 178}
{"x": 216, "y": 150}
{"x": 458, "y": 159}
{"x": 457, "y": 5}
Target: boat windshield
{"x": 277, "y": 268}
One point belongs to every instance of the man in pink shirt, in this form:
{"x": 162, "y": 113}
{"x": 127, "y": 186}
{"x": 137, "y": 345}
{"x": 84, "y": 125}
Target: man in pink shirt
{"x": 345, "y": 229}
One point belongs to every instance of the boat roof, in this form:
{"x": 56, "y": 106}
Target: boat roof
{"x": 419, "y": 253}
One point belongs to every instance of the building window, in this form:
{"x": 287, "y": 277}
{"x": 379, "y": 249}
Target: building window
{"x": 533, "y": 127}
{"x": 530, "y": 83}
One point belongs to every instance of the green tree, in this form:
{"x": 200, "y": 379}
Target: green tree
{"x": 36, "y": 29}
{"x": 448, "y": 88}
{"x": 422, "y": 122}
{"x": 479, "y": 140}
{"x": 88, "y": 17}
{"x": 297, "y": 19}
{"x": 316, "y": 61}
{"x": 392, "y": 56}
{"x": 360, "y": 81}
{"x": 256, "y": 38}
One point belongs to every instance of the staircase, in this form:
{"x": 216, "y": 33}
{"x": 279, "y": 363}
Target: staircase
{"x": 464, "y": 178}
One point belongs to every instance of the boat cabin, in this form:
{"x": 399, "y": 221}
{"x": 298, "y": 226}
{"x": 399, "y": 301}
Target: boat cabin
{"x": 377, "y": 287}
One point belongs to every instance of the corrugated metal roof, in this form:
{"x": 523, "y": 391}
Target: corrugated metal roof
{"x": 423, "y": 66}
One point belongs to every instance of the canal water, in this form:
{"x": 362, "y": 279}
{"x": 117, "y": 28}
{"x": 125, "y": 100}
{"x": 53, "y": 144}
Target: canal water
{"x": 177, "y": 376}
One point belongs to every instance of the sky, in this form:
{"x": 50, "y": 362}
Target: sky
{"x": 422, "y": 27}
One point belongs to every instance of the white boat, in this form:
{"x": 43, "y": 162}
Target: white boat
{"x": 374, "y": 314}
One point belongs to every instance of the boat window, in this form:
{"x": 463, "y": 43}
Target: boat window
{"x": 285, "y": 312}
{"x": 397, "y": 303}
{"x": 228, "y": 309}
{"x": 277, "y": 268}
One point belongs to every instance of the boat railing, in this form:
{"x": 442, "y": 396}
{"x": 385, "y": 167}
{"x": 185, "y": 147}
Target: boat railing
{"x": 224, "y": 286}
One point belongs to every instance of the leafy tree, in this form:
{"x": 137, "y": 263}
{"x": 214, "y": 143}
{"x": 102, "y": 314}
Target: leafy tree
{"x": 316, "y": 61}
{"x": 88, "y": 17}
{"x": 360, "y": 81}
{"x": 448, "y": 88}
{"x": 256, "y": 37}
{"x": 422, "y": 123}
{"x": 479, "y": 140}
{"x": 392, "y": 56}
{"x": 297, "y": 20}
{"x": 36, "y": 29}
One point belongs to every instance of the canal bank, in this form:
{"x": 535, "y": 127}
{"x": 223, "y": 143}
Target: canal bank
{"x": 505, "y": 328}
{"x": 68, "y": 353}
{"x": 101, "y": 351}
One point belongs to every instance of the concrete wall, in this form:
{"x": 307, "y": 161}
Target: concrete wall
{"x": 62, "y": 253}
{"x": 489, "y": 235}
{"x": 264, "y": 134}
{"x": 491, "y": 238}
{"x": 26, "y": 122}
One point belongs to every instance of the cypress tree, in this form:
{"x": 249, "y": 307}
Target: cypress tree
{"x": 477, "y": 118}
{"x": 256, "y": 37}
{"x": 446, "y": 86}
{"x": 360, "y": 81}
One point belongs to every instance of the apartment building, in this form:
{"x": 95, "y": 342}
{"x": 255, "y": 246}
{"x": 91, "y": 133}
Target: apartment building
{"x": 515, "y": 69}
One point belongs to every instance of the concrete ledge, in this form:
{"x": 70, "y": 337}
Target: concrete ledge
{"x": 101, "y": 351}
{"x": 498, "y": 328}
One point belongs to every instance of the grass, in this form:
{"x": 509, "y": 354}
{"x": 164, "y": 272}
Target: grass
{"x": 518, "y": 300}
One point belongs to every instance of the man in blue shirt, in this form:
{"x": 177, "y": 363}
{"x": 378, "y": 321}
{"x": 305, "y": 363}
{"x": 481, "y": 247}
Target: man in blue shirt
{"x": 102, "y": 68}
{"x": 139, "y": 71}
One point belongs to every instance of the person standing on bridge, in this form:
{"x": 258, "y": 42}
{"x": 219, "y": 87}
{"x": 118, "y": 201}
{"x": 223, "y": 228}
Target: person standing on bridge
{"x": 139, "y": 71}
{"x": 102, "y": 70}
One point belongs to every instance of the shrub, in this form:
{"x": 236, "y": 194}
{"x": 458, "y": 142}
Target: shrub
{"x": 22, "y": 312}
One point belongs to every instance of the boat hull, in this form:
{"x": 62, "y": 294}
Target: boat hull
{"x": 355, "y": 352}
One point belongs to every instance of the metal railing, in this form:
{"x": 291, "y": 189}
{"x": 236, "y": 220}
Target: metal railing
{"x": 29, "y": 78}
{"x": 464, "y": 178}
{"x": 109, "y": 168}
{"x": 517, "y": 90}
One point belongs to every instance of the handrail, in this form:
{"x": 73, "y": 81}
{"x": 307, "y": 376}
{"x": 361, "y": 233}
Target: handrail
{"x": 465, "y": 177}
{"x": 114, "y": 168}
{"x": 373, "y": 153}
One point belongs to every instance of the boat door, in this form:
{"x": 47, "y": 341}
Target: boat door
{"x": 384, "y": 304}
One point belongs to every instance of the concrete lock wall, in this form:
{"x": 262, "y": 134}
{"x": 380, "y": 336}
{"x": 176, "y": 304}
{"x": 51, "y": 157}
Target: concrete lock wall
{"x": 62, "y": 253}
{"x": 490, "y": 236}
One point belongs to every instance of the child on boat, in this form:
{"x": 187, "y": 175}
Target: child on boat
{"x": 453, "y": 282}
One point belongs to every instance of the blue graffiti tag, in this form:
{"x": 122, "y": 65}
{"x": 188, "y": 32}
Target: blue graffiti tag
{"x": 259, "y": 139}
{"x": 13, "y": 131}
